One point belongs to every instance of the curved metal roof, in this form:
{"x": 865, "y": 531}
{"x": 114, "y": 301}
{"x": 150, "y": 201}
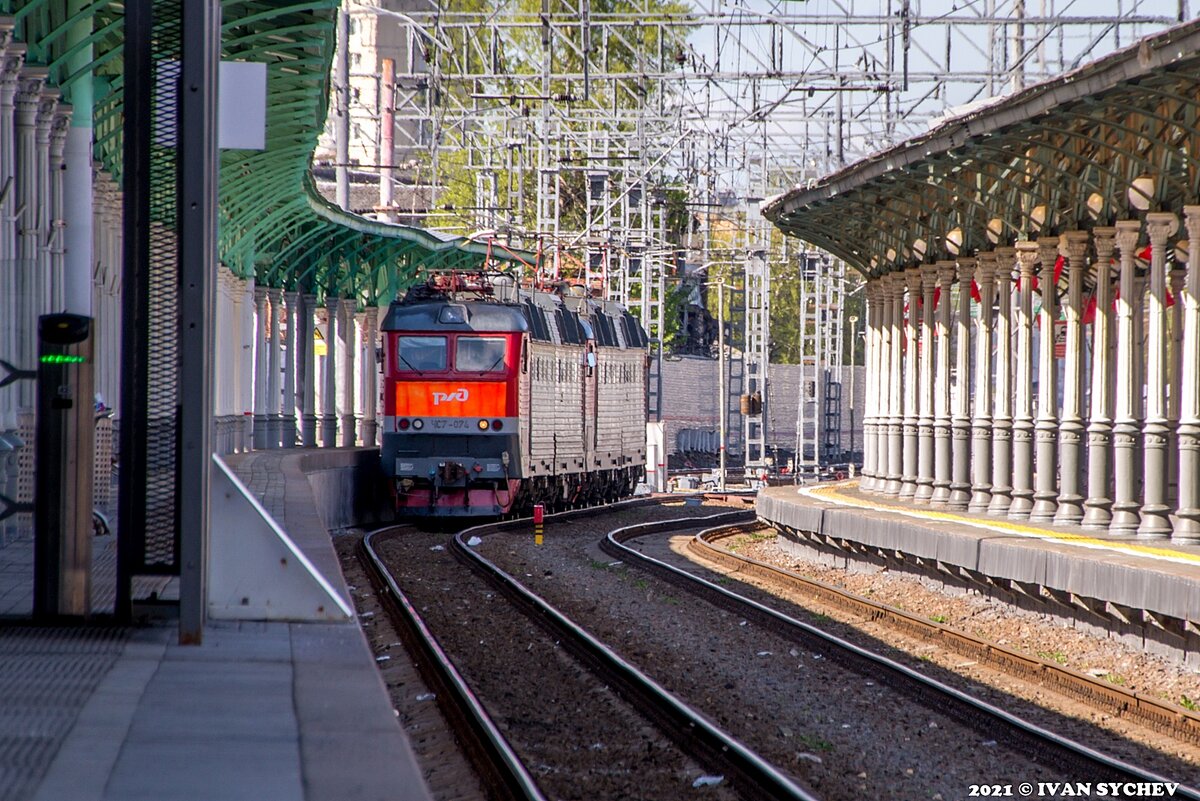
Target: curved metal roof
{"x": 1058, "y": 156}
{"x": 273, "y": 223}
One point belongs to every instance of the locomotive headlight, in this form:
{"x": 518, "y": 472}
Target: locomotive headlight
{"x": 402, "y": 424}
{"x": 497, "y": 425}
{"x": 483, "y": 425}
{"x": 418, "y": 424}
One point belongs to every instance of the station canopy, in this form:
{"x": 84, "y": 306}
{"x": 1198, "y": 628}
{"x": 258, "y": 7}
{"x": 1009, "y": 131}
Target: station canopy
{"x": 1107, "y": 141}
{"x": 274, "y": 225}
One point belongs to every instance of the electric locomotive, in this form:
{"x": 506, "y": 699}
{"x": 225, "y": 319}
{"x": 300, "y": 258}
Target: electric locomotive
{"x": 497, "y": 397}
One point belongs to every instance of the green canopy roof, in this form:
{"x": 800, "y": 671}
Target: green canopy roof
{"x": 274, "y": 224}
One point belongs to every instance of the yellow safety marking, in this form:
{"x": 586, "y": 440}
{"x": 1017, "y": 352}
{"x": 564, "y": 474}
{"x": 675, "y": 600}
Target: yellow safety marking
{"x": 831, "y": 492}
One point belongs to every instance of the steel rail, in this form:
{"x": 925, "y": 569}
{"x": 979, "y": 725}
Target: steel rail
{"x": 971, "y": 711}
{"x": 485, "y": 745}
{"x": 1151, "y": 712}
{"x": 694, "y": 734}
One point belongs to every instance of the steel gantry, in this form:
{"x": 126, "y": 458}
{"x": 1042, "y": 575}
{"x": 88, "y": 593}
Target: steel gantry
{"x": 1059, "y": 226}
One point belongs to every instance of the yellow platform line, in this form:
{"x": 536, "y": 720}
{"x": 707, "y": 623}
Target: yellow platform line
{"x": 832, "y": 493}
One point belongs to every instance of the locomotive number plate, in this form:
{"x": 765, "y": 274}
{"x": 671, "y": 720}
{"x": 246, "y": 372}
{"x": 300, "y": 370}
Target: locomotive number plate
{"x": 452, "y": 424}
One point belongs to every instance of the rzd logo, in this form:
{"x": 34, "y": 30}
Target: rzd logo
{"x": 460, "y": 395}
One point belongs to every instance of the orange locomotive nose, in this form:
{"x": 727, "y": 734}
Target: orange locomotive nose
{"x": 451, "y": 398}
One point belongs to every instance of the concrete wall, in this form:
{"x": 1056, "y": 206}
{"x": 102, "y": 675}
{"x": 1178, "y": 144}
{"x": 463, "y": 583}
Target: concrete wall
{"x": 690, "y": 401}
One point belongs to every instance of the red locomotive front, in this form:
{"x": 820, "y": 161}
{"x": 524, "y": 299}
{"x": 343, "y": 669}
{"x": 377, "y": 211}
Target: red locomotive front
{"x": 451, "y": 383}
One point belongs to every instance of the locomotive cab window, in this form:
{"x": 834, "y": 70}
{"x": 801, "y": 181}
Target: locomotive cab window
{"x": 421, "y": 354}
{"x": 479, "y": 354}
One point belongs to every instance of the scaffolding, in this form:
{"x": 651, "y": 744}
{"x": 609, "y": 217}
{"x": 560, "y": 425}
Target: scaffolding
{"x": 631, "y": 147}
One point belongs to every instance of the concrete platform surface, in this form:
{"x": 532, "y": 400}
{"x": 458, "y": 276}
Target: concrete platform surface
{"x": 259, "y": 711}
{"x": 1127, "y": 584}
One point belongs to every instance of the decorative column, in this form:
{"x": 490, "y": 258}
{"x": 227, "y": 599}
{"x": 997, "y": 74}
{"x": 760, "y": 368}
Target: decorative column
{"x": 924, "y": 492}
{"x": 895, "y": 439}
{"x": 10, "y": 337}
{"x": 274, "y": 418}
{"x": 941, "y": 387}
{"x": 912, "y": 412}
{"x": 307, "y": 372}
{"x": 1046, "y": 430}
{"x": 1177, "y": 277}
{"x": 43, "y": 216}
{"x": 1127, "y": 427}
{"x": 348, "y": 343}
{"x": 370, "y": 371}
{"x": 884, "y": 383}
{"x": 261, "y": 371}
{"x": 981, "y": 422}
{"x": 1188, "y": 528}
{"x": 1002, "y": 422}
{"x": 288, "y": 429}
{"x": 1022, "y": 438}
{"x": 1156, "y": 431}
{"x": 24, "y": 205}
{"x": 329, "y": 418}
{"x": 1073, "y": 245}
{"x": 59, "y": 126}
{"x": 1098, "y": 506}
{"x": 868, "y": 418}
{"x": 249, "y": 383}
{"x": 960, "y": 453}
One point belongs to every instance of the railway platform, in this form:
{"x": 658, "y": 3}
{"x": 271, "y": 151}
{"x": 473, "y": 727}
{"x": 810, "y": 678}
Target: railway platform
{"x": 1145, "y": 592}
{"x": 259, "y": 710}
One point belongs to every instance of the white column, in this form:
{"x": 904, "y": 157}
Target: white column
{"x": 25, "y": 200}
{"x": 1098, "y": 506}
{"x": 895, "y": 439}
{"x": 307, "y": 372}
{"x": 262, "y": 359}
{"x": 347, "y": 344}
{"x": 288, "y": 428}
{"x": 10, "y": 68}
{"x": 944, "y": 274}
{"x": 1188, "y": 528}
{"x": 925, "y": 449}
{"x": 981, "y": 421}
{"x": 44, "y": 216}
{"x": 960, "y": 423}
{"x": 1127, "y": 428}
{"x": 59, "y": 125}
{"x": 329, "y": 394}
{"x": 1046, "y": 430}
{"x": 1022, "y": 439}
{"x": 1002, "y": 421}
{"x": 871, "y": 406}
{"x": 912, "y": 412}
{"x": 1156, "y": 431}
{"x": 274, "y": 392}
{"x": 370, "y": 372}
{"x": 249, "y": 377}
{"x": 1073, "y": 245}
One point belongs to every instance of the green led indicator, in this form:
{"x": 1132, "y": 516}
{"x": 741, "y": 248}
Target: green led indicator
{"x": 62, "y": 358}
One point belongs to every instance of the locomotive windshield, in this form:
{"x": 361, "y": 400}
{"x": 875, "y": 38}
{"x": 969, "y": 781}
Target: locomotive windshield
{"x": 421, "y": 354}
{"x": 479, "y": 354}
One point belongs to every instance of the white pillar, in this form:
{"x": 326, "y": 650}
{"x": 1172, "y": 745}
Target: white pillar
{"x": 370, "y": 372}
{"x": 1127, "y": 428}
{"x": 1098, "y": 506}
{"x": 25, "y": 200}
{"x": 1022, "y": 438}
{"x": 1188, "y": 528}
{"x": 925, "y": 411}
{"x": 1002, "y": 421}
{"x": 912, "y": 418}
{"x": 10, "y": 68}
{"x": 59, "y": 125}
{"x": 895, "y": 340}
{"x": 249, "y": 378}
{"x": 261, "y": 371}
{"x": 292, "y": 358}
{"x": 329, "y": 395}
{"x": 871, "y": 406}
{"x": 941, "y": 385}
{"x": 1156, "y": 430}
{"x": 347, "y": 345}
{"x": 960, "y": 422}
{"x": 306, "y": 373}
{"x": 1046, "y": 430}
{"x": 274, "y": 395}
{"x": 1073, "y": 245}
{"x": 981, "y": 421}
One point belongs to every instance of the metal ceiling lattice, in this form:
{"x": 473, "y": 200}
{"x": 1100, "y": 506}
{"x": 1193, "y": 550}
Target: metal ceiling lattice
{"x": 1059, "y": 156}
{"x": 273, "y": 223}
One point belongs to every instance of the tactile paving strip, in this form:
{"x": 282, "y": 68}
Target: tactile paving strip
{"x": 46, "y": 677}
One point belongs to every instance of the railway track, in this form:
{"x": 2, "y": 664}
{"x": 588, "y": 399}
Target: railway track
{"x": 503, "y": 771}
{"x": 1045, "y": 746}
{"x": 1166, "y": 718}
